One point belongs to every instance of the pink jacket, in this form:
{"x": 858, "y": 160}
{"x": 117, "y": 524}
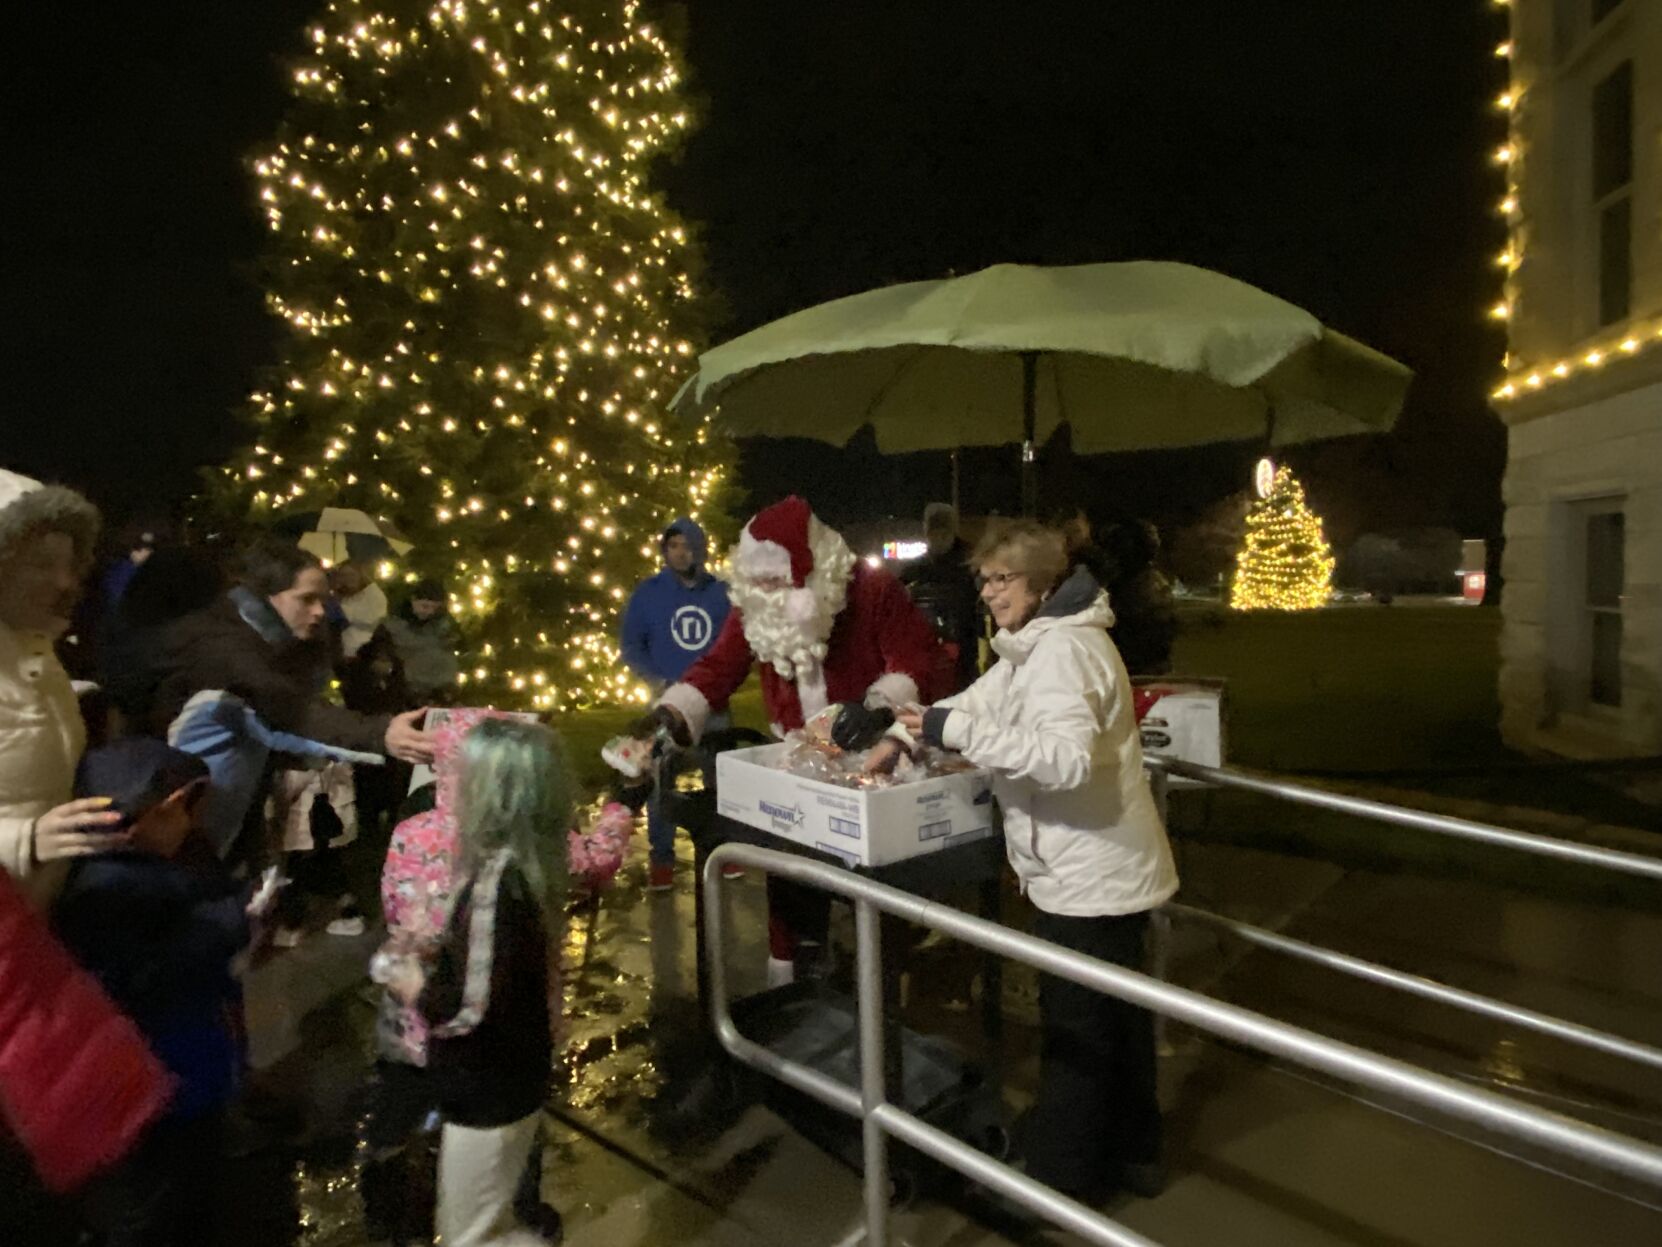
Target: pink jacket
{"x": 418, "y": 880}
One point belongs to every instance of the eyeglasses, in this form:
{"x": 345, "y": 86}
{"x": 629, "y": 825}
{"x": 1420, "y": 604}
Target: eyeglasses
{"x": 997, "y": 580}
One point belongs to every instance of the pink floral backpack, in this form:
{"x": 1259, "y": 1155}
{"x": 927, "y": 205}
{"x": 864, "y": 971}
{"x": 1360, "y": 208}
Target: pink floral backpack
{"x": 418, "y": 879}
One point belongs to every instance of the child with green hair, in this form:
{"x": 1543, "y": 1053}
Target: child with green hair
{"x": 485, "y": 988}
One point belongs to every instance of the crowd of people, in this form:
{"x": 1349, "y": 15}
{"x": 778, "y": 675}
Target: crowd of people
{"x": 197, "y": 796}
{"x": 223, "y": 779}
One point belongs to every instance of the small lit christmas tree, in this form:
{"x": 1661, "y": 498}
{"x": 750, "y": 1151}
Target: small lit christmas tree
{"x": 486, "y": 310}
{"x": 1285, "y": 563}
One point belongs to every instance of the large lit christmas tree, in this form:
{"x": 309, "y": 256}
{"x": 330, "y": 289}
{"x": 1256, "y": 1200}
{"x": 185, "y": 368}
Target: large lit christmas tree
{"x": 1284, "y": 563}
{"x": 486, "y": 313}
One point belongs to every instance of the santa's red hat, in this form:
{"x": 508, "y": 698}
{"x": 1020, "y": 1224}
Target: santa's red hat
{"x": 778, "y": 543}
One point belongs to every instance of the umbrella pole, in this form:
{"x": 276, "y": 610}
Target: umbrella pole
{"x": 1029, "y": 426}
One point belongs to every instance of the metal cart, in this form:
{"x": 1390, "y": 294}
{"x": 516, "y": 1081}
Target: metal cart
{"x": 815, "y": 1024}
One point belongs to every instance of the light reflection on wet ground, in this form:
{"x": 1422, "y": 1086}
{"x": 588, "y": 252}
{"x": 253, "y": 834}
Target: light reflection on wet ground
{"x": 625, "y": 1165}
{"x": 628, "y": 984}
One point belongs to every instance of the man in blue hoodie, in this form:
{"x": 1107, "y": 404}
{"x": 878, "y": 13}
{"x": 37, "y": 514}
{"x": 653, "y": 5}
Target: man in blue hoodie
{"x": 671, "y": 619}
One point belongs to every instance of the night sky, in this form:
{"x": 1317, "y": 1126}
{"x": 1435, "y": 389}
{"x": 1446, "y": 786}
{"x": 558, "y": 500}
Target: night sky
{"x": 1333, "y": 153}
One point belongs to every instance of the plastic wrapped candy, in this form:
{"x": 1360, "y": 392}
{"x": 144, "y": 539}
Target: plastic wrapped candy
{"x": 819, "y": 759}
{"x": 817, "y": 730}
{"x": 630, "y": 756}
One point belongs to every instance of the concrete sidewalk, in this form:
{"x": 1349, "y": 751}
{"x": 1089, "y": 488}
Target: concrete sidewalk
{"x": 1259, "y": 1154}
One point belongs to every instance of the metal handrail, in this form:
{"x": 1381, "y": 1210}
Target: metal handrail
{"x": 1429, "y": 989}
{"x": 1441, "y": 824}
{"x": 1588, "y": 1144}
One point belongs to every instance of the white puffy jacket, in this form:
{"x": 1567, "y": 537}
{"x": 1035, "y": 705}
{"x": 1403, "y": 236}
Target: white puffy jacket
{"x": 41, "y": 733}
{"x": 1055, "y": 725}
{"x": 41, "y": 738}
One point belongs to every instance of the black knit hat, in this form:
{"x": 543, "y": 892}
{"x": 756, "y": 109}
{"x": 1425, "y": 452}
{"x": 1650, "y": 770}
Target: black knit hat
{"x": 137, "y": 773}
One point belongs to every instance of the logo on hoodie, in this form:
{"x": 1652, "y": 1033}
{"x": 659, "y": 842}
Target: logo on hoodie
{"x": 691, "y": 628}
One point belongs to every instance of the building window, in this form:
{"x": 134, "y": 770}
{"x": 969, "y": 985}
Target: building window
{"x": 1612, "y": 155}
{"x": 1605, "y": 552}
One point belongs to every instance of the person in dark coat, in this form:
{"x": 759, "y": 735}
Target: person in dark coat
{"x": 160, "y": 926}
{"x": 174, "y": 582}
{"x": 375, "y": 682}
{"x": 1123, "y": 563}
{"x": 264, "y": 644}
{"x": 1145, "y": 620}
{"x": 426, "y": 639}
{"x": 944, "y": 590}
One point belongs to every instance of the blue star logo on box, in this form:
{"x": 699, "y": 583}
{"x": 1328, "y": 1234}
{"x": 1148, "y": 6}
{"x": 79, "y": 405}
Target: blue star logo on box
{"x": 691, "y": 628}
{"x": 784, "y": 817}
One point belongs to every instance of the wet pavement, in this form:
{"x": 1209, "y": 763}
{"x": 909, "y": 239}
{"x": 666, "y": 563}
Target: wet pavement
{"x": 1260, "y": 1153}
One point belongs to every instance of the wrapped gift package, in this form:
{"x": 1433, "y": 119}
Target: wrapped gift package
{"x": 1181, "y": 718}
{"x": 862, "y": 826}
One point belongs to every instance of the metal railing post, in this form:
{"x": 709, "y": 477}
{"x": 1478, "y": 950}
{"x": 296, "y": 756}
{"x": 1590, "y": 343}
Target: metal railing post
{"x": 1425, "y": 988}
{"x": 1442, "y": 824}
{"x": 868, "y": 968}
{"x": 1159, "y": 924}
{"x": 1590, "y": 1145}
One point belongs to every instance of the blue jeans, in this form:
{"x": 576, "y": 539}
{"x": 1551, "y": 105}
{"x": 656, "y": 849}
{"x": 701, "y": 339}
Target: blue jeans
{"x": 660, "y": 828}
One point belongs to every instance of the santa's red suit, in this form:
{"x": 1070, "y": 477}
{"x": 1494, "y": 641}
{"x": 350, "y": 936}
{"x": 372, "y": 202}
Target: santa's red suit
{"x": 881, "y": 651}
{"x": 826, "y": 628}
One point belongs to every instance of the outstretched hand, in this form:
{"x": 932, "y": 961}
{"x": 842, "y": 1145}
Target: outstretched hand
{"x": 406, "y": 740}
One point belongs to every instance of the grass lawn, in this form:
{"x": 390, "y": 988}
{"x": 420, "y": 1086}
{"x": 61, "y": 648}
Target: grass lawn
{"x": 1353, "y": 688}
{"x": 1405, "y": 693}
{"x": 585, "y": 731}
{"x": 1364, "y": 688}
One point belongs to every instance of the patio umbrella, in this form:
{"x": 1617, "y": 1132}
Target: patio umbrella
{"x": 339, "y": 534}
{"x": 1134, "y": 356}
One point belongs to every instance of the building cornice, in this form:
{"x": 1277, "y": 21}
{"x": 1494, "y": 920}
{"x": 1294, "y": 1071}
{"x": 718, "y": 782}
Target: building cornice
{"x": 1619, "y": 375}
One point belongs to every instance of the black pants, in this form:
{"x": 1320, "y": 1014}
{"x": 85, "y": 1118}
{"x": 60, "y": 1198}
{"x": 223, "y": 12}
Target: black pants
{"x": 166, "y": 1193}
{"x": 319, "y": 872}
{"x": 1097, "y": 1107}
{"x": 796, "y": 914}
{"x": 379, "y": 791}
{"x": 28, "y": 1212}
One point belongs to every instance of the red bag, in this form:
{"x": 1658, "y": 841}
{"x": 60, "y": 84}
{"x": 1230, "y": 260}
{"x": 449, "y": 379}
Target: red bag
{"x": 78, "y": 1085}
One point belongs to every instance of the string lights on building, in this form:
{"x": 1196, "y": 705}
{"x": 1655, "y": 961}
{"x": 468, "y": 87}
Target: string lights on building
{"x": 487, "y": 311}
{"x": 1527, "y": 376}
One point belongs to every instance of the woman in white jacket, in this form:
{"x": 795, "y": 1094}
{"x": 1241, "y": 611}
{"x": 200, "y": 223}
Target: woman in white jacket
{"x": 46, "y": 539}
{"x": 1053, "y": 721}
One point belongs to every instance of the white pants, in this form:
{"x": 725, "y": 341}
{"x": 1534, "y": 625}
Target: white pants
{"x": 479, "y": 1171}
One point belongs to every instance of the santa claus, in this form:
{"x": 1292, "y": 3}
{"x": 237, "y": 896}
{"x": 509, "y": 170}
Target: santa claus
{"x": 828, "y": 630}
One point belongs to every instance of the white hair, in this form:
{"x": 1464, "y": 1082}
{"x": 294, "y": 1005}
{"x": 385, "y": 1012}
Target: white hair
{"x": 790, "y": 628}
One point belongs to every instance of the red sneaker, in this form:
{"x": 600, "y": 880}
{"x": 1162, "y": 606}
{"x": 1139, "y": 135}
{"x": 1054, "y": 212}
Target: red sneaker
{"x": 732, "y": 871}
{"x": 660, "y": 878}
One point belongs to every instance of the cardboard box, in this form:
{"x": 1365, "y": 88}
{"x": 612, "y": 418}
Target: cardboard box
{"x": 862, "y": 826}
{"x": 1182, "y": 718}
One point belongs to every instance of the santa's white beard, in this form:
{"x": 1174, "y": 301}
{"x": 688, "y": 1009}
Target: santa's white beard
{"x": 789, "y": 628}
